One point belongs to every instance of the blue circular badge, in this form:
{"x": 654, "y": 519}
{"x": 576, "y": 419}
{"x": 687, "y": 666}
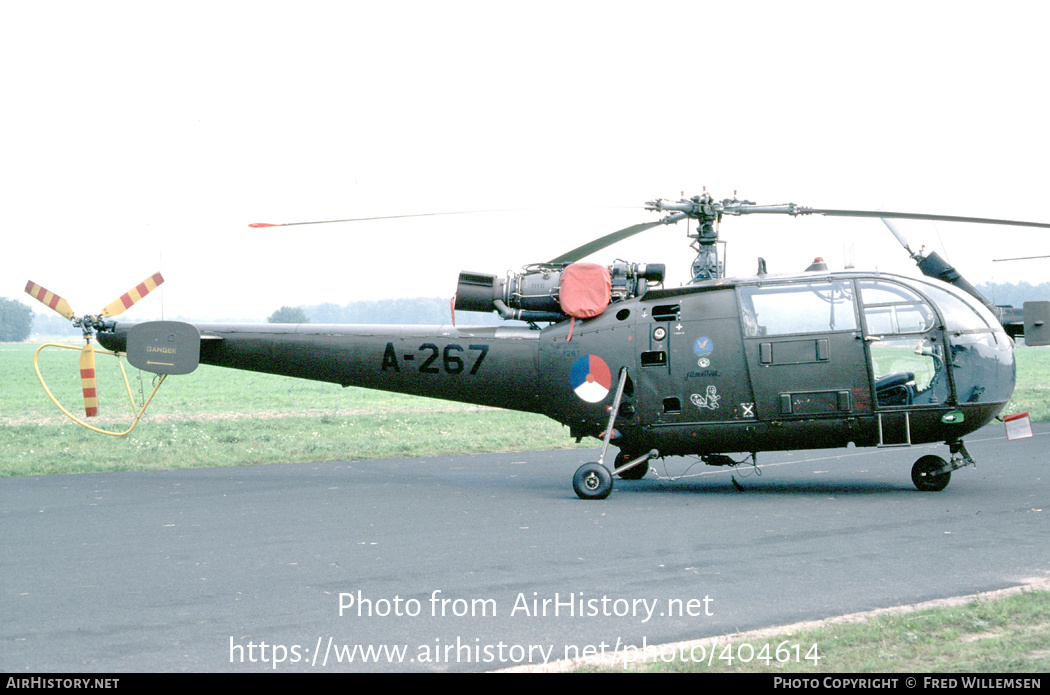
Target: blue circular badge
{"x": 703, "y": 347}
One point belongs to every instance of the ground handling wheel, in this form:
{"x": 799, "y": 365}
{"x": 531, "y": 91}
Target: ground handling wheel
{"x": 592, "y": 481}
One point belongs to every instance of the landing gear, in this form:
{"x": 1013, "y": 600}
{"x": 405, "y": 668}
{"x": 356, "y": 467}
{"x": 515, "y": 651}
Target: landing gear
{"x": 592, "y": 481}
{"x": 931, "y": 474}
{"x": 634, "y": 472}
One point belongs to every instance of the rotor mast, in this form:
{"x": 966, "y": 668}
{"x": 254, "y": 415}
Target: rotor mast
{"x": 708, "y": 213}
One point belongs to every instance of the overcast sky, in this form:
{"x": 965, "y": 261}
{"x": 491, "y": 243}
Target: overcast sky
{"x": 144, "y": 136}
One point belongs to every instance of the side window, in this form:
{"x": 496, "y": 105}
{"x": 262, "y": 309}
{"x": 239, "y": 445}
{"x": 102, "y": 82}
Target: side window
{"x": 908, "y": 371}
{"x": 812, "y": 307}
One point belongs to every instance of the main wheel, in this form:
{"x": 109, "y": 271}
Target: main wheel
{"x": 926, "y": 476}
{"x": 592, "y": 481}
{"x": 635, "y": 473}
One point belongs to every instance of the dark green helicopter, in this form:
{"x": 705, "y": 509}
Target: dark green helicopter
{"x": 720, "y": 365}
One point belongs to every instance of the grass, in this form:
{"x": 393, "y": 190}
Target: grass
{"x": 200, "y": 419}
{"x": 223, "y": 417}
{"x": 1010, "y": 634}
{"x": 1032, "y": 392}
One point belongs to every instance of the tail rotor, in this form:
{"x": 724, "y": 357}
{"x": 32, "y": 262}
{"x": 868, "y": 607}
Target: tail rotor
{"x": 90, "y": 324}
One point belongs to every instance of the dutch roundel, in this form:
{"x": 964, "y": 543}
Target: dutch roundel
{"x": 590, "y": 378}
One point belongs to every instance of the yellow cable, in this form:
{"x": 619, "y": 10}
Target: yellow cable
{"x": 127, "y": 384}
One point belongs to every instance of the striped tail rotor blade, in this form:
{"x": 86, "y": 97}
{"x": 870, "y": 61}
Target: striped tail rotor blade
{"x": 49, "y": 298}
{"x": 128, "y": 299}
{"x": 87, "y": 380}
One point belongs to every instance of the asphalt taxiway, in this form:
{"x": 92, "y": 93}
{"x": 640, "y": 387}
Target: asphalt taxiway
{"x": 480, "y": 562}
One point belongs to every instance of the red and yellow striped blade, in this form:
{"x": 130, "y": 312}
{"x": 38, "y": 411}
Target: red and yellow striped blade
{"x": 128, "y": 299}
{"x": 49, "y": 298}
{"x": 87, "y": 380}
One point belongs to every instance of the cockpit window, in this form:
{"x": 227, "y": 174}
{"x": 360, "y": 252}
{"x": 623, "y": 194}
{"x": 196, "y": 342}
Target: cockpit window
{"x": 960, "y": 314}
{"x": 906, "y": 318}
{"x": 907, "y": 361}
{"x": 882, "y": 292}
{"x": 891, "y": 308}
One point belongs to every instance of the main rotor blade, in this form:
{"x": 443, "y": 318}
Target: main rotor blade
{"x": 602, "y": 242}
{"x": 1018, "y": 258}
{"x": 128, "y": 299}
{"x": 87, "y": 380}
{"x": 49, "y": 299}
{"x": 915, "y": 216}
{"x": 900, "y": 237}
{"x": 259, "y": 225}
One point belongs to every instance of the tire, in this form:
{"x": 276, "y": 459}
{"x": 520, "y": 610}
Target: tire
{"x": 924, "y": 474}
{"x": 592, "y": 482}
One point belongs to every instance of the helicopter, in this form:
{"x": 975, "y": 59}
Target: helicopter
{"x": 717, "y": 366}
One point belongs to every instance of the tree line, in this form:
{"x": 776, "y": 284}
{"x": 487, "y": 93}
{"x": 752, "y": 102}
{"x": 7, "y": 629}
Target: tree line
{"x": 417, "y": 311}
{"x": 1014, "y": 294}
{"x": 18, "y": 322}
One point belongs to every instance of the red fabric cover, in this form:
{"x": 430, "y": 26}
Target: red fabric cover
{"x": 584, "y": 290}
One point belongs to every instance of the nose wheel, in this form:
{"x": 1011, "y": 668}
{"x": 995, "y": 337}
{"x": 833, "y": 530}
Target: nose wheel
{"x": 931, "y": 474}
